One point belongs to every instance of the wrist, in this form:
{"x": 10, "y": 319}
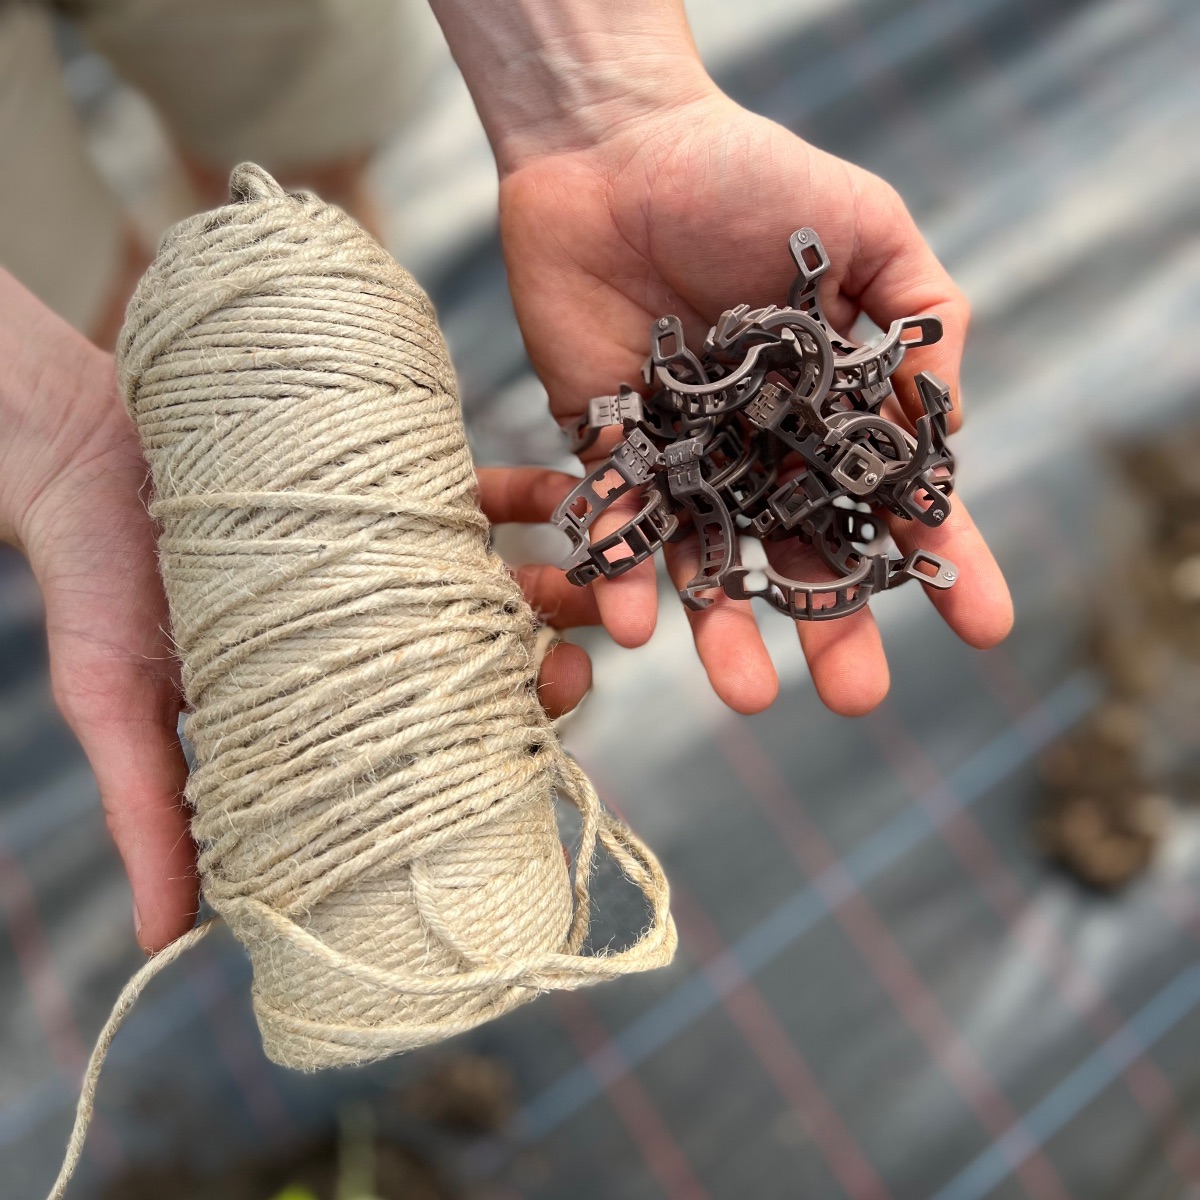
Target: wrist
{"x": 551, "y": 78}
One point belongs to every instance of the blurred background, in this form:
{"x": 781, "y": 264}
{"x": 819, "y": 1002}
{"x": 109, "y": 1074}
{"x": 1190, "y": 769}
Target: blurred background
{"x": 949, "y": 950}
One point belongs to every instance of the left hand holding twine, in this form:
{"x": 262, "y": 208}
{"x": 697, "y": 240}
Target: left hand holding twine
{"x": 72, "y": 498}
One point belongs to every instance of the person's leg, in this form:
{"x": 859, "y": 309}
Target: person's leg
{"x": 62, "y": 233}
{"x": 306, "y": 88}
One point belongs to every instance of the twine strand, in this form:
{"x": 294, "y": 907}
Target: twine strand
{"x": 91, "y": 1075}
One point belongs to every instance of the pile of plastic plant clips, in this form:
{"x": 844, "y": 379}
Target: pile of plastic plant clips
{"x": 776, "y": 430}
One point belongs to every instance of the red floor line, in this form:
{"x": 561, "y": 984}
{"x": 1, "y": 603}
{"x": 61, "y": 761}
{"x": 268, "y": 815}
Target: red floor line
{"x": 775, "y": 1049}
{"x": 777, "y": 1053}
{"x": 36, "y": 965}
{"x": 662, "y": 1154}
{"x": 879, "y": 951}
{"x": 783, "y": 1062}
{"x": 1008, "y": 684}
{"x": 1147, "y": 1083}
{"x": 1016, "y": 697}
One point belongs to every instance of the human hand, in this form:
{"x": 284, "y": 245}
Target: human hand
{"x": 71, "y": 497}
{"x": 686, "y": 208}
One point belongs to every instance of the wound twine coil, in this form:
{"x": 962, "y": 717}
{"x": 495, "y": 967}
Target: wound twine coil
{"x": 375, "y": 780}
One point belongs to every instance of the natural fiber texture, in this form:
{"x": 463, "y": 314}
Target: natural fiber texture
{"x": 375, "y": 779}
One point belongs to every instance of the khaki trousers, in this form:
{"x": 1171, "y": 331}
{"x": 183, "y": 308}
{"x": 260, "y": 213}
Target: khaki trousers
{"x": 287, "y": 83}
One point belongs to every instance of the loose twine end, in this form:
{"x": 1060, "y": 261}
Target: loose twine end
{"x": 91, "y": 1076}
{"x": 248, "y": 181}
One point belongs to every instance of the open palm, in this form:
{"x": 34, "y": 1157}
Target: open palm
{"x": 688, "y": 211}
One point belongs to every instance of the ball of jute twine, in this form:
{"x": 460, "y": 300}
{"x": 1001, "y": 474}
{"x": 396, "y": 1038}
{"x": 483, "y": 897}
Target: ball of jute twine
{"x": 375, "y": 780}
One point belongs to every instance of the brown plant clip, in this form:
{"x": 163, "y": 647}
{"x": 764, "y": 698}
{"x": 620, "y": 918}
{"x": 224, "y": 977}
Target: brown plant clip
{"x": 774, "y": 431}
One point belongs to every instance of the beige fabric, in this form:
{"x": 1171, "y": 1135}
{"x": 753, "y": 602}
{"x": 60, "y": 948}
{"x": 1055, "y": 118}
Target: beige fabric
{"x": 60, "y": 227}
{"x": 287, "y": 82}
{"x": 375, "y": 780}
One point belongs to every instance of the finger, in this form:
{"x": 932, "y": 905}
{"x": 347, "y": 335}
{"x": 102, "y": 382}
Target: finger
{"x": 523, "y": 495}
{"x": 727, "y": 639}
{"x": 978, "y": 607}
{"x": 564, "y": 679}
{"x": 899, "y": 276}
{"x": 846, "y": 659}
{"x": 628, "y": 605}
{"x": 141, "y": 772}
{"x": 845, "y": 656}
{"x": 115, "y": 676}
{"x": 118, "y": 694}
{"x": 556, "y": 600}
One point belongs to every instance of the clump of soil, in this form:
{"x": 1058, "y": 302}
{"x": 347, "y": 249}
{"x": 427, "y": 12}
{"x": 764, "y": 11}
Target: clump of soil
{"x": 468, "y": 1093}
{"x": 1102, "y": 820}
{"x": 459, "y": 1095}
{"x": 1106, "y": 809}
{"x": 401, "y": 1174}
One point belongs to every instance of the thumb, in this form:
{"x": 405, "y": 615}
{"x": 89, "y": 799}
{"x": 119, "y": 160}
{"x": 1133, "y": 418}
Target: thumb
{"x": 895, "y": 275}
{"x": 115, "y": 678}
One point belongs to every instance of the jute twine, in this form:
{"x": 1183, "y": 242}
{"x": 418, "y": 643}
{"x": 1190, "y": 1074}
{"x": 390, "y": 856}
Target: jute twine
{"x": 375, "y": 780}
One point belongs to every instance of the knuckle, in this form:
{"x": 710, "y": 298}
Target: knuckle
{"x": 892, "y": 204}
{"x": 891, "y": 197}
